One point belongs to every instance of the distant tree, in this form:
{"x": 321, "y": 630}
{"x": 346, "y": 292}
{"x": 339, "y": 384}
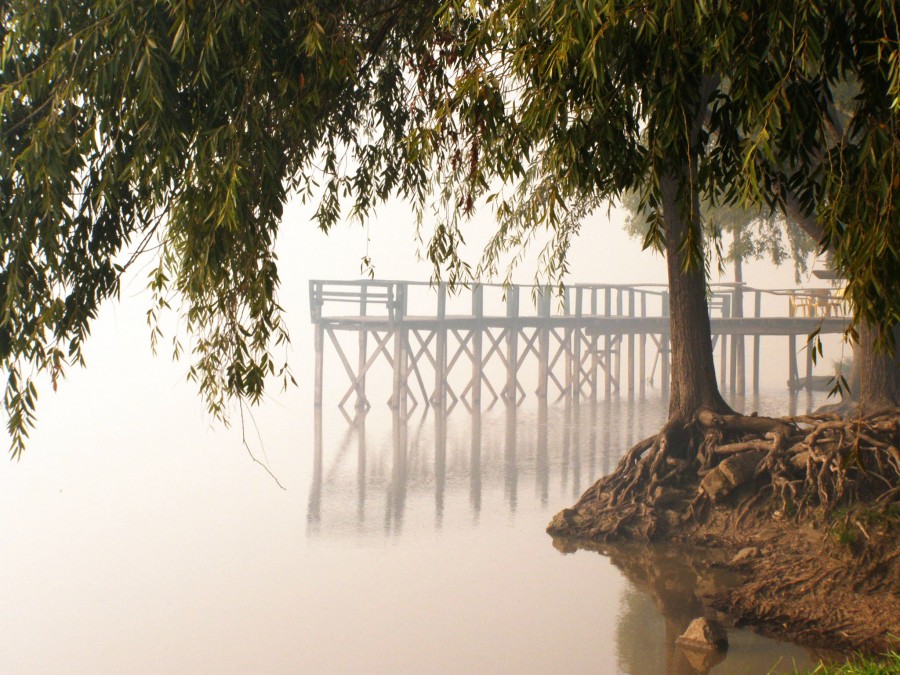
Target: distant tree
{"x": 755, "y": 234}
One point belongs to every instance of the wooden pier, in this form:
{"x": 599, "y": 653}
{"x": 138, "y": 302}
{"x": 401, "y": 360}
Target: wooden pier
{"x": 487, "y": 341}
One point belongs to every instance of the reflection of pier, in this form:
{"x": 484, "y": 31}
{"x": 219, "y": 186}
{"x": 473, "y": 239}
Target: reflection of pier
{"x": 447, "y": 348}
{"x": 460, "y": 462}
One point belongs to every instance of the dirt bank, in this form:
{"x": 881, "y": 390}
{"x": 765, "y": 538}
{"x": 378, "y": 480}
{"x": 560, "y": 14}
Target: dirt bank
{"x": 820, "y": 569}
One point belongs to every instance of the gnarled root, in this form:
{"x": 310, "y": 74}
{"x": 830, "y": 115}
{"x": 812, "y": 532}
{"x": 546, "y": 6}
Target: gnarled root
{"x": 786, "y": 464}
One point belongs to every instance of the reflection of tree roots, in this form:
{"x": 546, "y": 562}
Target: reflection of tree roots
{"x": 787, "y": 465}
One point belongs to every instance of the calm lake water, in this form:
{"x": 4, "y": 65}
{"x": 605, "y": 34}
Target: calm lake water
{"x": 137, "y": 538}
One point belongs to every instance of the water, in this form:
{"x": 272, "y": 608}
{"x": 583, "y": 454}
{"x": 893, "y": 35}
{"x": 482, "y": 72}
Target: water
{"x": 137, "y": 538}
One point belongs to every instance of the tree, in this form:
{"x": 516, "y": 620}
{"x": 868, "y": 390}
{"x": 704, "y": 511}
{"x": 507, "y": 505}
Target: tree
{"x": 686, "y": 102}
{"x": 124, "y": 123}
{"x": 130, "y": 125}
{"x": 756, "y": 234}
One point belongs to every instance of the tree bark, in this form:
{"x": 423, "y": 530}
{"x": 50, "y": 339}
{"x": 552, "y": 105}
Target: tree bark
{"x": 879, "y": 371}
{"x": 693, "y": 370}
{"x": 693, "y": 374}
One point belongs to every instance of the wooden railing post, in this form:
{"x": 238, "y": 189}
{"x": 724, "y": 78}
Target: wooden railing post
{"x": 398, "y": 316}
{"x": 511, "y": 392}
{"x": 631, "y": 346}
{"x": 757, "y": 313}
{"x": 594, "y": 345}
{"x": 361, "y": 401}
{"x": 664, "y": 348}
{"x": 477, "y": 334}
{"x": 642, "y": 356}
{"x": 544, "y": 299}
{"x": 577, "y": 343}
{"x": 438, "y": 398}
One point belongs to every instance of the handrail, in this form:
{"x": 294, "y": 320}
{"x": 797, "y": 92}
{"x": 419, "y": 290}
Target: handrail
{"x": 579, "y": 300}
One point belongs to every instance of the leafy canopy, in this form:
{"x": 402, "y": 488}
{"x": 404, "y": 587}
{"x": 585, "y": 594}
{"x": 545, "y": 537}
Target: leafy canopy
{"x": 184, "y": 125}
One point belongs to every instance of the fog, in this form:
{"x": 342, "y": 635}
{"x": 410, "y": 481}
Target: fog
{"x": 140, "y": 536}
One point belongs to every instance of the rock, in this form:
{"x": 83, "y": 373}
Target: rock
{"x": 738, "y": 469}
{"x": 696, "y": 661}
{"x": 744, "y": 555}
{"x": 704, "y": 634}
{"x": 731, "y": 473}
{"x": 715, "y": 485}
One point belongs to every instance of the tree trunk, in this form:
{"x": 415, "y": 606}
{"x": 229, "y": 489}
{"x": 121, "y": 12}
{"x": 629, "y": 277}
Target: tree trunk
{"x": 879, "y": 377}
{"x": 693, "y": 370}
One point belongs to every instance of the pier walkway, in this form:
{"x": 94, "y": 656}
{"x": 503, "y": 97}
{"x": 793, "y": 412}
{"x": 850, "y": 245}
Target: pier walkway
{"x": 588, "y": 339}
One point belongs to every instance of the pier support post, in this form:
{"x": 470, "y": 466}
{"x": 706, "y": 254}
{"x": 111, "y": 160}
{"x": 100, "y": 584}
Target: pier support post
{"x": 439, "y": 397}
{"x": 577, "y": 345}
{"x": 664, "y": 348}
{"x": 630, "y": 365}
{"x": 642, "y": 356}
{"x": 361, "y": 401}
{"x": 757, "y": 313}
{"x": 477, "y": 334}
{"x": 511, "y": 392}
{"x": 793, "y": 374}
{"x": 607, "y": 345}
{"x": 320, "y": 356}
{"x": 398, "y": 316}
{"x": 544, "y": 299}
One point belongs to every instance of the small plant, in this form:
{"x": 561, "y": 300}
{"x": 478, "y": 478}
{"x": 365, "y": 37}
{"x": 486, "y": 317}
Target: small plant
{"x": 885, "y": 664}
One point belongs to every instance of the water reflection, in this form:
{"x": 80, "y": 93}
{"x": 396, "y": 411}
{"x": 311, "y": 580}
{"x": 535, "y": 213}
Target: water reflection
{"x": 503, "y": 472}
{"x": 442, "y": 451}
{"x": 490, "y": 450}
{"x": 669, "y": 585}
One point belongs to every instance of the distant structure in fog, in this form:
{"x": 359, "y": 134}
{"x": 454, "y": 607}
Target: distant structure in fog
{"x": 445, "y": 348}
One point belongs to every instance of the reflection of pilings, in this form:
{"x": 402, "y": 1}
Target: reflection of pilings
{"x": 592, "y": 444}
{"x": 440, "y": 463}
{"x": 360, "y": 465}
{"x": 475, "y": 463}
{"x": 543, "y": 461}
{"x": 511, "y": 459}
{"x": 314, "y": 512}
{"x": 607, "y": 437}
{"x": 396, "y": 501}
{"x": 576, "y": 451}
{"x": 566, "y": 446}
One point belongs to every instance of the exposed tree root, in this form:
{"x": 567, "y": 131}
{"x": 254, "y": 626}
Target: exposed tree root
{"x": 790, "y": 465}
{"x": 816, "y": 497}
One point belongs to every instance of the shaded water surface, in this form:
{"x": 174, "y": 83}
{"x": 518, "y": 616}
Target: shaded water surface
{"x": 493, "y": 479}
{"x": 401, "y": 545}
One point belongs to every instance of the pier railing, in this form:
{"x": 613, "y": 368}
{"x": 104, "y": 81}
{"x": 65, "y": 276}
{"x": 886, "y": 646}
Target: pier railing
{"x": 577, "y": 336}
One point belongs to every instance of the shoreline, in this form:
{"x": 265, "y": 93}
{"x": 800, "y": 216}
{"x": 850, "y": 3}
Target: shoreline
{"x": 789, "y": 581}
